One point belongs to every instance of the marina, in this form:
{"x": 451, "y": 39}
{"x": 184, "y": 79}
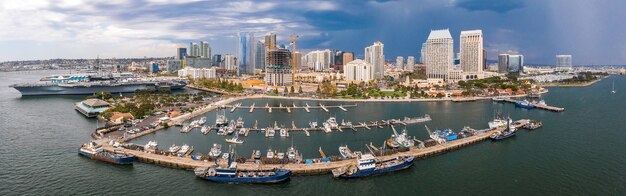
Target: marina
{"x": 536, "y": 105}
{"x": 306, "y": 107}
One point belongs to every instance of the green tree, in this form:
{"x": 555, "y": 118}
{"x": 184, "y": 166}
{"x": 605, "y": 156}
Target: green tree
{"x": 292, "y": 90}
{"x": 300, "y": 89}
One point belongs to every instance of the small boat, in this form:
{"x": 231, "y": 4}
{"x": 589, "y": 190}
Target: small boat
{"x": 313, "y": 125}
{"x": 498, "y": 121}
{"x": 345, "y": 152}
{"x": 524, "y": 104}
{"x": 202, "y": 121}
{"x": 231, "y": 128}
{"x": 221, "y": 119}
{"x": 96, "y": 152}
{"x": 205, "y": 129}
{"x": 270, "y": 154}
{"x": 242, "y": 131}
{"x": 280, "y": 155}
{"x": 327, "y": 127}
{"x": 239, "y": 123}
{"x": 498, "y": 99}
{"x": 270, "y": 132}
{"x": 332, "y": 122}
{"x": 533, "y": 124}
{"x": 368, "y": 165}
{"x": 235, "y": 140}
{"x": 174, "y": 148}
{"x": 184, "y": 150}
{"x": 151, "y": 146}
{"x": 292, "y": 154}
{"x": 225, "y": 156}
{"x": 408, "y": 120}
{"x": 613, "y": 89}
{"x": 186, "y": 129}
{"x": 400, "y": 140}
{"x": 231, "y": 174}
{"x": 221, "y": 131}
{"x": 284, "y": 132}
{"x": 506, "y": 133}
{"x": 215, "y": 151}
{"x": 257, "y": 154}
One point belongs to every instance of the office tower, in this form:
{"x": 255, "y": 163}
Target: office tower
{"x": 375, "y": 56}
{"x": 230, "y": 62}
{"x": 217, "y": 60}
{"x": 181, "y": 53}
{"x": 318, "y": 60}
{"x": 510, "y": 63}
{"x": 563, "y": 62}
{"x": 270, "y": 41}
{"x": 246, "y": 52}
{"x": 439, "y": 54}
{"x": 347, "y": 57}
{"x": 471, "y": 53}
{"x": 260, "y": 55}
{"x": 423, "y": 54}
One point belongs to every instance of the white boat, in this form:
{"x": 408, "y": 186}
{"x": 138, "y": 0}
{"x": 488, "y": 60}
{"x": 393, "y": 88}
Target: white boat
{"x": 225, "y": 156}
{"x": 292, "y": 153}
{"x": 215, "y": 151}
{"x": 284, "y": 132}
{"x": 497, "y": 122}
{"x": 270, "y": 132}
{"x": 270, "y": 154}
{"x": 401, "y": 139}
{"x": 313, "y": 125}
{"x": 332, "y": 122}
{"x": 345, "y": 152}
{"x": 221, "y": 131}
{"x": 327, "y": 127}
{"x": 174, "y": 148}
{"x": 151, "y": 146}
{"x": 185, "y": 149}
{"x": 613, "y": 89}
{"x": 202, "y": 121}
{"x": 280, "y": 155}
{"x": 239, "y": 123}
{"x": 231, "y": 128}
{"x": 235, "y": 140}
{"x": 257, "y": 154}
{"x": 221, "y": 119}
{"x": 205, "y": 129}
{"x": 242, "y": 131}
{"x": 186, "y": 129}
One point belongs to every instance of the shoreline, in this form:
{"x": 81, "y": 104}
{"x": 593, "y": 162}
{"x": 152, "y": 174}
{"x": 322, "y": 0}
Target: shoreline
{"x": 570, "y": 85}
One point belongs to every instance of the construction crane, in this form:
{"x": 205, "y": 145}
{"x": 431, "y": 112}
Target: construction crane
{"x": 293, "y": 39}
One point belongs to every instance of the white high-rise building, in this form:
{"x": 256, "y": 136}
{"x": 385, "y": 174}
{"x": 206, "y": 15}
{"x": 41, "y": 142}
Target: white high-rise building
{"x": 410, "y": 63}
{"x": 439, "y": 54}
{"x": 205, "y": 50}
{"x": 471, "y": 54}
{"x": 375, "y": 56}
{"x": 358, "y": 70}
{"x": 194, "y": 49}
{"x": 423, "y": 54}
{"x": 399, "y": 62}
{"x": 563, "y": 62}
{"x": 318, "y": 60}
{"x": 230, "y": 62}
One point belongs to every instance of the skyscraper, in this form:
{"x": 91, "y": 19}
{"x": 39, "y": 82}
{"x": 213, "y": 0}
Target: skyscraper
{"x": 563, "y": 62}
{"x": 439, "y": 54}
{"x": 399, "y": 62}
{"x": 508, "y": 63}
{"x": 246, "y": 52}
{"x": 217, "y": 60}
{"x": 347, "y": 57}
{"x": 278, "y": 71}
{"x": 194, "y": 49}
{"x": 423, "y": 54}
{"x": 181, "y": 53}
{"x": 205, "y": 50}
{"x": 318, "y": 60}
{"x": 230, "y": 62}
{"x": 410, "y": 63}
{"x": 471, "y": 53}
{"x": 503, "y": 63}
{"x": 375, "y": 56}
{"x": 260, "y": 55}
{"x": 270, "y": 41}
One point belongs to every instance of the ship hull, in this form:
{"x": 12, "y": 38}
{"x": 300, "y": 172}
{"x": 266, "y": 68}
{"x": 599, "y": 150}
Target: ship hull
{"x": 108, "y": 159}
{"x": 502, "y": 137}
{"x": 404, "y": 165}
{"x": 55, "y": 89}
{"x": 279, "y": 177}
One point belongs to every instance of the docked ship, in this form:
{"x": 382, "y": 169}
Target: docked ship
{"x": 231, "y": 174}
{"x": 91, "y": 84}
{"x": 94, "y": 151}
{"x": 506, "y": 133}
{"x": 400, "y": 139}
{"x": 367, "y": 165}
{"x": 524, "y": 104}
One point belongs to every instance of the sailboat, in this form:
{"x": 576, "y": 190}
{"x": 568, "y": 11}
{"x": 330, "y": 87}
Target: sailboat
{"x": 613, "y": 91}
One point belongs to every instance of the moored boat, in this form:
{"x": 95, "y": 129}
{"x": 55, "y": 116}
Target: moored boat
{"x": 215, "y": 151}
{"x": 235, "y": 140}
{"x": 345, "y": 152}
{"x": 524, "y": 104}
{"x": 367, "y": 165}
{"x": 94, "y": 151}
{"x": 231, "y": 174}
{"x": 504, "y": 134}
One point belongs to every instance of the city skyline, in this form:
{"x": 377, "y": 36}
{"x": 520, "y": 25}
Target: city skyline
{"x": 122, "y": 29}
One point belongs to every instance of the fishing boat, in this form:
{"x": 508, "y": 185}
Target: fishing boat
{"x": 151, "y": 146}
{"x": 524, "y": 104}
{"x": 435, "y": 135}
{"x": 184, "y": 150}
{"x": 284, "y": 132}
{"x": 400, "y": 140}
{"x": 174, "y": 148}
{"x": 202, "y": 121}
{"x": 292, "y": 154}
{"x": 270, "y": 154}
{"x": 368, "y": 165}
{"x": 498, "y": 121}
{"x": 96, "y": 152}
{"x": 215, "y": 151}
{"x": 239, "y": 123}
{"x": 235, "y": 140}
{"x": 506, "y": 133}
{"x": 345, "y": 152}
{"x": 231, "y": 174}
{"x": 257, "y": 154}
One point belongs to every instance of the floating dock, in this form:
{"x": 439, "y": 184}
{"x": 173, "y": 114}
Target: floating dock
{"x": 293, "y": 106}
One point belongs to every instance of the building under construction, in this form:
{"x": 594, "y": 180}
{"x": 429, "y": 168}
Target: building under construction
{"x": 278, "y": 67}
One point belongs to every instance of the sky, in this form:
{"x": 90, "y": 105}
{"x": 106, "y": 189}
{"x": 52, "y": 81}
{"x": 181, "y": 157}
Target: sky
{"x": 592, "y": 31}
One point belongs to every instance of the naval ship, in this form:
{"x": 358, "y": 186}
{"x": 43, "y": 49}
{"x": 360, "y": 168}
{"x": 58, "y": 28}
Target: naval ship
{"x": 86, "y": 84}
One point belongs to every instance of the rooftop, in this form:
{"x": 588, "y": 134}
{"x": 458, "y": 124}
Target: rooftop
{"x": 439, "y": 34}
{"x": 94, "y": 103}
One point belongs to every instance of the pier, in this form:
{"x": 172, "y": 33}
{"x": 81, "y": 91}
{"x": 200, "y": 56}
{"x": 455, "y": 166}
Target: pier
{"x": 315, "y": 168}
{"x": 307, "y": 107}
{"x": 540, "y": 106}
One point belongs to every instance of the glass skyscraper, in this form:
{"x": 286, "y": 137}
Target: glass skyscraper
{"x": 246, "y": 52}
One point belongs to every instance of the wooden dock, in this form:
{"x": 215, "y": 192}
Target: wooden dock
{"x": 293, "y": 106}
{"x": 540, "y": 106}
